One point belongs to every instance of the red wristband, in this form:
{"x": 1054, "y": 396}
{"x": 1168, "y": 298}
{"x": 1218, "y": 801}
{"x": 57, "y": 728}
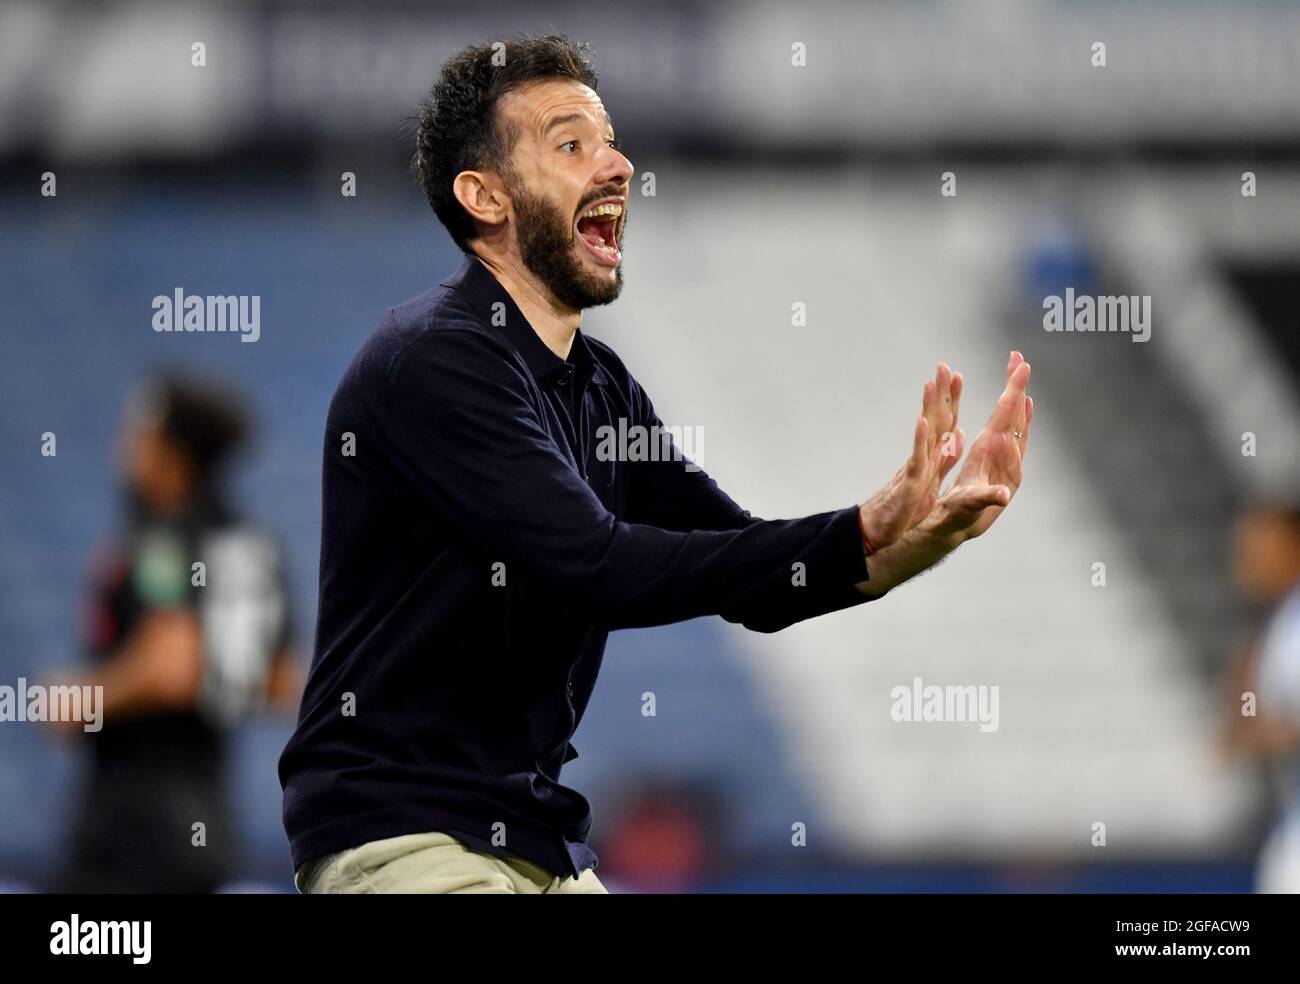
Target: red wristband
{"x": 865, "y": 542}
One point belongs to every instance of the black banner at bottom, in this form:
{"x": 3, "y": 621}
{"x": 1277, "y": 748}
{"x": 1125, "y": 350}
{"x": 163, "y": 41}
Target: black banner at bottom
{"x": 448, "y": 937}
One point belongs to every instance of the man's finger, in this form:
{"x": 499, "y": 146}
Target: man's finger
{"x": 934, "y": 467}
{"x": 956, "y": 397}
{"x": 1014, "y": 360}
{"x": 916, "y": 463}
{"x": 972, "y": 499}
{"x": 958, "y": 445}
{"x": 930, "y": 403}
{"x": 1029, "y": 420}
{"x": 1009, "y": 405}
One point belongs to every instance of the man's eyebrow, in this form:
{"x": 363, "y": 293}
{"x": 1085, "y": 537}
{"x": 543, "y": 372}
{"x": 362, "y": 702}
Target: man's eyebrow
{"x": 571, "y": 118}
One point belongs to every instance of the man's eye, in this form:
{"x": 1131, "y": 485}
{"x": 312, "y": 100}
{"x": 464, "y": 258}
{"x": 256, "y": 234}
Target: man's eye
{"x": 615, "y": 143}
{"x": 569, "y": 143}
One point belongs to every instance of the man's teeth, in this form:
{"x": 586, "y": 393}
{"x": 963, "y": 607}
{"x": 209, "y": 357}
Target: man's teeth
{"x": 609, "y": 208}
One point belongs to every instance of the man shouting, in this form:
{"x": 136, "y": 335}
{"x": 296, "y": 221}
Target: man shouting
{"x": 476, "y": 552}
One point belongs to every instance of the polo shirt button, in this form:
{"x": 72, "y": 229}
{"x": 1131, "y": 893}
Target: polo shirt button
{"x": 565, "y": 376}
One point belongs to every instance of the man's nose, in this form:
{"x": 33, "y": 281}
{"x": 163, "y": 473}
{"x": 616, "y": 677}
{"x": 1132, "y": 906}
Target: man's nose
{"x": 613, "y": 168}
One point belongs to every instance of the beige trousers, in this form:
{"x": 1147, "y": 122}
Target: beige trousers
{"x": 433, "y": 863}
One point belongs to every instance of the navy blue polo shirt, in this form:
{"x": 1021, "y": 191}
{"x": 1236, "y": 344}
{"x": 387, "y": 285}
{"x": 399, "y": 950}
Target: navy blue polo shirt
{"x": 479, "y": 541}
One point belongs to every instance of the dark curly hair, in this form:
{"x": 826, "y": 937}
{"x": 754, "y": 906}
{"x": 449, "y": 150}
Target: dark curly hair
{"x": 206, "y": 418}
{"x": 456, "y": 127}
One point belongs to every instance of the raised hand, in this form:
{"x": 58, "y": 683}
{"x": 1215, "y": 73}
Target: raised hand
{"x": 913, "y": 492}
{"x": 992, "y": 472}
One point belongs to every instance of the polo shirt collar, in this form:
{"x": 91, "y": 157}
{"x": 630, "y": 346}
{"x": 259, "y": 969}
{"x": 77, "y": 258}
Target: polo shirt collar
{"x": 475, "y": 283}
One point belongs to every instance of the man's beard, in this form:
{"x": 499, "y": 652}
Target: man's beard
{"x": 548, "y": 249}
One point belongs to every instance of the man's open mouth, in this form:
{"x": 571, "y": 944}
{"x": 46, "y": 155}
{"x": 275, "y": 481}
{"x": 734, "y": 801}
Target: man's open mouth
{"x": 598, "y": 229}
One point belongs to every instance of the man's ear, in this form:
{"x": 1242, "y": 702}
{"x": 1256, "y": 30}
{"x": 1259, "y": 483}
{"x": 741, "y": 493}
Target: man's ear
{"x": 482, "y": 195}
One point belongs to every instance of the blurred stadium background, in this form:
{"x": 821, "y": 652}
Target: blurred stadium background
{"x": 774, "y": 185}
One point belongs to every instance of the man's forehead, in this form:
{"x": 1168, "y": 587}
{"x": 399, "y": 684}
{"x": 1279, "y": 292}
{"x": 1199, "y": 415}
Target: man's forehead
{"x": 537, "y": 103}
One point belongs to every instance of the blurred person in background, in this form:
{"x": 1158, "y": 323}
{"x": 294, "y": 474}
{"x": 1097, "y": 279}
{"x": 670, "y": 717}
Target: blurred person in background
{"x": 187, "y": 627}
{"x": 664, "y": 838}
{"x": 1267, "y": 567}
